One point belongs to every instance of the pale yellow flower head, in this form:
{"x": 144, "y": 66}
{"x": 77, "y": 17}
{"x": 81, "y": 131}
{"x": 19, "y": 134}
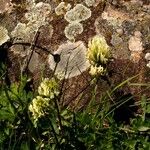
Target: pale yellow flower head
{"x": 49, "y": 88}
{"x": 39, "y": 107}
{"x": 97, "y": 71}
{"x": 98, "y": 51}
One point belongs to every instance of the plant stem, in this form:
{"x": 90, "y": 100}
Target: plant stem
{"x": 58, "y": 113}
{"x": 55, "y": 135}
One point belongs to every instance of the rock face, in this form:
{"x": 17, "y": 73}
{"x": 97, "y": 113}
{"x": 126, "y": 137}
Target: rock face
{"x": 135, "y": 42}
{"x": 4, "y": 5}
{"x": 72, "y": 60}
{"x": 136, "y": 46}
{"x": 65, "y": 29}
{"x": 3, "y": 35}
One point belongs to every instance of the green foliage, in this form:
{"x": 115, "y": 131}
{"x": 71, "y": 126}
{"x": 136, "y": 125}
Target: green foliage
{"x": 93, "y": 128}
{"x": 14, "y": 120}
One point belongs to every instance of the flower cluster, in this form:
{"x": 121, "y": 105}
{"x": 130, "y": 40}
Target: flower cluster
{"x": 49, "y": 88}
{"x": 42, "y": 104}
{"x": 98, "y": 55}
{"x": 39, "y": 107}
{"x": 97, "y": 70}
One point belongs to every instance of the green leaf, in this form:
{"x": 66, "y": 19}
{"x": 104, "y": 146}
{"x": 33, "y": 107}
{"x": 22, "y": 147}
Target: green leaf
{"x": 7, "y": 131}
{"x": 11, "y": 109}
{"x": 143, "y": 105}
{"x": 5, "y": 115}
{"x": 2, "y": 137}
{"x": 143, "y": 129}
{"x": 148, "y": 108}
{"x": 24, "y": 146}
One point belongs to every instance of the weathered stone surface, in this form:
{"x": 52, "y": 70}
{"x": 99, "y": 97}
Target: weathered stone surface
{"x": 124, "y": 24}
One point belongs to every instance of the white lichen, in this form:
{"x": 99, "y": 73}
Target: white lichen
{"x": 115, "y": 17}
{"x": 62, "y": 8}
{"x": 36, "y": 18}
{"x": 147, "y": 56}
{"x": 148, "y": 64}
{"x": 136, "y": 46}
{"x": 116, "y": 40}
{"x": 3, "y": 35}
{"x": 23, "y": 32}
{"x": 78, "y": 13}
{"x": 39, "y": 14}
{"x": 135, "y": 42}
{"x": 94, "y": 3}
{"x": 72, "y": 59}
{"x": 72, "y": 30}
{"x": 30, "y": 4}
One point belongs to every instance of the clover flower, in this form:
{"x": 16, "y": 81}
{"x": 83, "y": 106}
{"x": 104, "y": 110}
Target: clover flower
{"x": 3, "y": 35}
{"x": 96, "y": 71}
{"x": 49, "y": 88}
{"x": 98, "y": 55}
{"x": 39, "y": 107}
{"x": 98, "y": 51}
